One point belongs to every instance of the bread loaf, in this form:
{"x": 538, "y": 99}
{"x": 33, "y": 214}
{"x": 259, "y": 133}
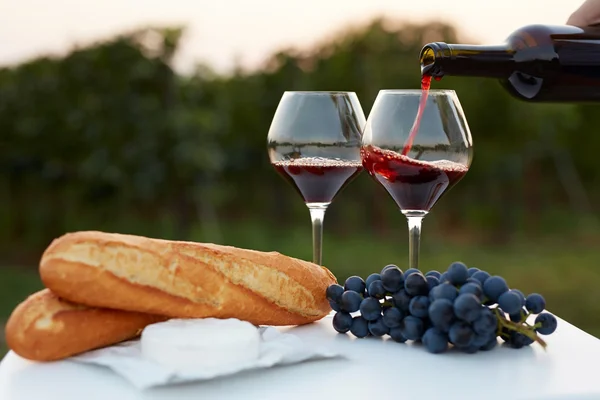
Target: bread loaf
{"x": 185, "y": 279}
{"x": 46, "y": 328}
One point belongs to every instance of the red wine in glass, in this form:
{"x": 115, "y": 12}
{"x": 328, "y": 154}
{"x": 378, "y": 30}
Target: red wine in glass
{"x": 314, "y": 143}
{"x": 413, "y": 184}
{"x": 318, "y": 180}
{"x": 416, "y": 182}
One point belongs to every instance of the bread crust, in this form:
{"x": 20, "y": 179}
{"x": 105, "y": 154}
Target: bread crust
{"x": 185, "y": 279}
{"x": 45, "y": 327}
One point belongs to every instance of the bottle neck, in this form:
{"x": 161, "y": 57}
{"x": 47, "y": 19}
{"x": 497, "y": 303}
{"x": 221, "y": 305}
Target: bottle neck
{"x": 439, "y": 59}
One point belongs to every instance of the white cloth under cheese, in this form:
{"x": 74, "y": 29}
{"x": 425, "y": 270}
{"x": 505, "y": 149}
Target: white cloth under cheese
{"x": 276, "y": 349}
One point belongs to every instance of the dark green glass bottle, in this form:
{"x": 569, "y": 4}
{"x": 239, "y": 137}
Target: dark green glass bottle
{"x": 536, "y": 63}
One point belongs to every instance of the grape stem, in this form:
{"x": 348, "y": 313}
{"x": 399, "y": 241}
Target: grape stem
{"x": 518, "y": 327}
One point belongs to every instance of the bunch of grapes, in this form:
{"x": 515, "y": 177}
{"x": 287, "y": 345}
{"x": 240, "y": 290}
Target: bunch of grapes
{"x": 463, "y": 307}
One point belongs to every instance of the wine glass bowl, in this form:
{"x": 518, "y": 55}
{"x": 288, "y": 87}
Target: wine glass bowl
{"x": 417, "y": 145}
{"x": 314, "y": 143}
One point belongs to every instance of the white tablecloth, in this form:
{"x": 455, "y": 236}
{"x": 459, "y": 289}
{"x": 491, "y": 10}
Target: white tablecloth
{"x": 375, "y": 369}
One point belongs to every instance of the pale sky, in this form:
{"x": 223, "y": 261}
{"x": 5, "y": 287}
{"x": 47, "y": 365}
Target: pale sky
{"x": 221, "y": 30}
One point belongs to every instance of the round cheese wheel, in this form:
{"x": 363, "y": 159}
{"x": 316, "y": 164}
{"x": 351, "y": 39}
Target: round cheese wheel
{"x": 207, "y": 343}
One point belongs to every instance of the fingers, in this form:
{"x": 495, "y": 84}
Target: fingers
{"x": 587, "y": 14}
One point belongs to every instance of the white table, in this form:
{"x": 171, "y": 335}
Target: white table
{"x": 375, "y": 369}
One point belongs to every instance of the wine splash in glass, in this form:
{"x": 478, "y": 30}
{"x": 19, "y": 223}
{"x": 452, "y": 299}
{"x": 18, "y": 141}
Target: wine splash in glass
{"x": 416, "y": 169}
{"x": 314, "y": 143}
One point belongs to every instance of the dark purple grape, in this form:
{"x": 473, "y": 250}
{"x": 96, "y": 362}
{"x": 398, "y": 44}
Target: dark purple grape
{"x": 359, "y": 327}
{"x": 517, "y": 340}
{"x": 457, "y": 273}
{"x": 351, "y": 301}
{"x": 432, "y": 282}
{"x": 392, "y": 317}
{"x": 392, "y": 279}
{"x": 334, "y": 306}
{"x": 370, "y": 309}
{"x": 510, "y": 302}
{"x": 419, "y": 306}
{"x": 535, "y": 303}
{"x": 467, "y": 307}
{"x": 480, "y": 340}
{"x": 461, "y": 334}
{"x": 473, "y": 280}
{"x": 412, "y": 328}
{"x": 435, "y": 341}
{"x": 444, "y": 291}
{"x": 444, "y": 277}
{"x": 377, "y": 290}
{"x": 472, "y": 288}
{"x": 481, "y": 276}
{"x": 401, "y": 300}
{"x": 334, "y": 293}
{"x": 386, "y": 306}
{"x": 547, "y": 323}
{"x": 519, "y": 316}
{"x": 355, "y": 283}
{"x": 372, "y": 278}
{"x": 342, "y": 321}
{"x": 486, "y": 323}
{"x": 378, "y": 328}
{"x": 411, "y": 271}
{"x": 435, "y": 273}
{"x": 493, "y": 342}
{"x": 396, "y": 335}
{"x": 494, "y": 287}
{"x": 517, "y": 291}
{"x": 387, "y": 267}
{"x": 416, "y": 285}
{"x": 441, "y": 314}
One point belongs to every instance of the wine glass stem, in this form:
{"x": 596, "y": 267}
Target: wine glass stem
{"x": 415, "y": 219}
{"x": 317, "y": 215}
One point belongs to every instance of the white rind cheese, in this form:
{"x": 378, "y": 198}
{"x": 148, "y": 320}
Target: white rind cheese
{"x": 207, "y": 343}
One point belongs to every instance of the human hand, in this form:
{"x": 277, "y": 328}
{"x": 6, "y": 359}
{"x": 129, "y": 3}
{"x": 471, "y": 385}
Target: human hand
{"x": 586, "y": 15}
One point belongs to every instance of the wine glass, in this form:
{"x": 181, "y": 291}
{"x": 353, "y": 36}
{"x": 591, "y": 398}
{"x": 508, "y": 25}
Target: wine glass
{"x": 314, "y": 143}
{"x": 417, "y": 145}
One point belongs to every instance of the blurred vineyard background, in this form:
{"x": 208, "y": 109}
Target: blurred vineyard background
{"x": 110, "y": 137}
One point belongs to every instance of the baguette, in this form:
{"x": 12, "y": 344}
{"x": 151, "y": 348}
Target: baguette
{"x": 47, "y": 328}
{"x": 185, "y": 279}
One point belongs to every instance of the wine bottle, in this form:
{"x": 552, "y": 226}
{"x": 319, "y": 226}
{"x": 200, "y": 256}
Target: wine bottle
{"x": 540, "y": 63}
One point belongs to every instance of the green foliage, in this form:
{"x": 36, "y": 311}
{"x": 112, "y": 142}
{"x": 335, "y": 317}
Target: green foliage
{"x": 109, "y": 137}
